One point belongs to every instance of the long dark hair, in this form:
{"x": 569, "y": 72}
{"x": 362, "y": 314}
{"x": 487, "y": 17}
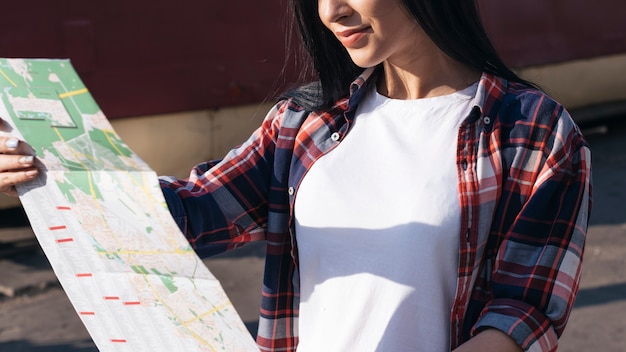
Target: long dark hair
{"x": 453, "y": 25}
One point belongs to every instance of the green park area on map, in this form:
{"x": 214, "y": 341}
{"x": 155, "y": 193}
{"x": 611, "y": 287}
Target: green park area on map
{"x": 47, "y": 102}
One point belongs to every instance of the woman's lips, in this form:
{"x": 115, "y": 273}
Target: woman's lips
{"x": 351, "y": 37}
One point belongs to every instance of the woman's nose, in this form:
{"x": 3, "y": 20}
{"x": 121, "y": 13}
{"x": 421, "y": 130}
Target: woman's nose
{"x": 331, "y": 11}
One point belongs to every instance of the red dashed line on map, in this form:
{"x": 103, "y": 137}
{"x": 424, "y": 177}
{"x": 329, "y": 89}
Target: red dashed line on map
{"x": 87, "y": 313}
{"x": 54, "y": 228}
{"x": 132, "y": 303}
{"x": 64, "y": 240}
{"x": 63, "y": 207}
{"x": 111, "y": 298}
{"x": 118, "y": 340}
{"x": 84, "y": 275}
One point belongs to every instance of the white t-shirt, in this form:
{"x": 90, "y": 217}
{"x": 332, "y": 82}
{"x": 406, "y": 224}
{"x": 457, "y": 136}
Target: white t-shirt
{"x": 377, "y": 228}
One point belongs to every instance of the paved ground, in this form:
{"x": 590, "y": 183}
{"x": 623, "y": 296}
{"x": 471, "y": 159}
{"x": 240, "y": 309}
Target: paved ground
{"x": 35, "y": 314}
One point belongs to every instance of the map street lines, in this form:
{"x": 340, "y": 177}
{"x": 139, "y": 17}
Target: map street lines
{"x": 102, "y": 221}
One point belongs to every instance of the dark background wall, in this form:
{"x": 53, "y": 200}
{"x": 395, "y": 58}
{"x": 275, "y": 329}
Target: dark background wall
{"x": 537, "y": 32}
{"x": 146, "y": 57}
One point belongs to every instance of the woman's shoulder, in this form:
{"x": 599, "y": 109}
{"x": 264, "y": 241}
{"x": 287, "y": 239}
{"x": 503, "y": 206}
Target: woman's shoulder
{"x": 528, "y": 112}
{"x": 292, "y": 107}
{"x": 522, "y": 103}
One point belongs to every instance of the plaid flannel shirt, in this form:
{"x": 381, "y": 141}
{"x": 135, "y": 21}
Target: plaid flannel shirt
{"x": 524, "y": 190}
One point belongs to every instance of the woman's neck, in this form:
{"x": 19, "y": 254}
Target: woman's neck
{"x": 425, "y": 76}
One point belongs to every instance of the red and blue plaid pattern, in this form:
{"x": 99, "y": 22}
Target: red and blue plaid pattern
{"x": 524, "y": 189}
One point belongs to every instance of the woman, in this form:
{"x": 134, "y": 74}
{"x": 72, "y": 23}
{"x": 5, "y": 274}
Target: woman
{"x": 420, "y": 197}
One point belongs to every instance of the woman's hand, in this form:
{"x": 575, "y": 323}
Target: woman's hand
{"x": 16, "y": 164}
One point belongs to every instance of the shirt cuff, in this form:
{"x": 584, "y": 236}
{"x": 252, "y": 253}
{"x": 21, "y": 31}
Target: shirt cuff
{"x": 524, "y": 323}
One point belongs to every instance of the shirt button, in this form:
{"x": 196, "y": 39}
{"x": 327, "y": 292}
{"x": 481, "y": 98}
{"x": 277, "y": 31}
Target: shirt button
{"x": 291, "y": 191}
{"x": 335, "y": 136}
{"x": 487, "y": 120}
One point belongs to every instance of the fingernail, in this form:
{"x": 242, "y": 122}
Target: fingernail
{"x": 12, "y": 143}
{"x": 26, "y": 159}
{"x": 31, "y": 172}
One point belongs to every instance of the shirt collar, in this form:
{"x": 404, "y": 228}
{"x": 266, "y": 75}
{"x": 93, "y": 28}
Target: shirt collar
{"x": 358, "y": 87}
{"x": 489, "y": 94}
{"x": 360, "y": 81}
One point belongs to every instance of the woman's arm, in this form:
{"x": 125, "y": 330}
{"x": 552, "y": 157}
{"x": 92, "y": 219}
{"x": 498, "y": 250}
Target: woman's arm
{"x": 224, "y": 204}
{"x": 538, "y": 232}
{"x": 490, "y": 340}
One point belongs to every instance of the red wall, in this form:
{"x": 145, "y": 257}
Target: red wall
{"x": 532, "y": 32}
{"x": 144, "y": 57}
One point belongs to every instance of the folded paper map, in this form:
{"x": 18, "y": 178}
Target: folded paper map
{"x": 102, "y": 221}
